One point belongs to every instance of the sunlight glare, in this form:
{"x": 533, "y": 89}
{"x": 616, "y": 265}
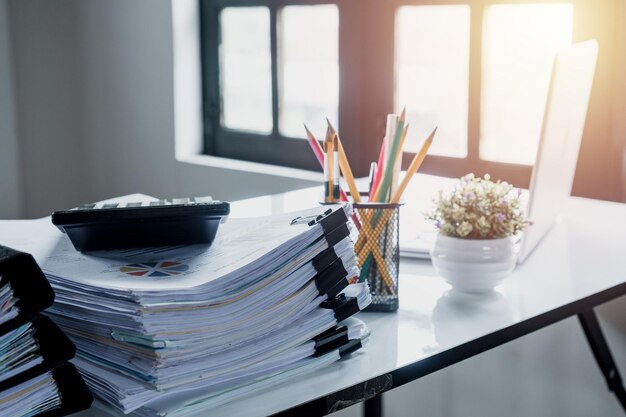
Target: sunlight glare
{"x": 519, "y": 44}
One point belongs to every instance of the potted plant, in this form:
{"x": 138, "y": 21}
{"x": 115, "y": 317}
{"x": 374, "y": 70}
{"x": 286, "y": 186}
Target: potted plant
{"x": 479, "y": 222}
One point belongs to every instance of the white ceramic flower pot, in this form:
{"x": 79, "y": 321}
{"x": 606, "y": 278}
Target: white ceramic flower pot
{"x": 474, "y": 266}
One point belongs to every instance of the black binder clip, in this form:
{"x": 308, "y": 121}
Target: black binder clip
{"x": 330, "y": 340}
{"x": 323, "y": 259}
{"x": 332, "y": 280}
{"x": 343, "y": 306}
{"x": 337, "y": 235}
{"x": 311, "y": 220}
{"x": 352, "y": 346}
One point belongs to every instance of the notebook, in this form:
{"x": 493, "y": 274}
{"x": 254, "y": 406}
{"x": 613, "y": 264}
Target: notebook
{"x": 555, "y": 166}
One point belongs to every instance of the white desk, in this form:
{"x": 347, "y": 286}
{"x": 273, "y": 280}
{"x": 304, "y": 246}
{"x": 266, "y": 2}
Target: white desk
{"x": 578, "y": 266}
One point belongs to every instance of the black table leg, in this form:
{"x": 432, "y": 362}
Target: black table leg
{"x": 373, "y": 407}
{"x": 600, "y": 348}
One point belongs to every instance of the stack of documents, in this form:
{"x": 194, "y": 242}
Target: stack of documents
{"x": 34, "y": 376}
{"x": 8, "y": 304}
{"x": 170, "y": 331}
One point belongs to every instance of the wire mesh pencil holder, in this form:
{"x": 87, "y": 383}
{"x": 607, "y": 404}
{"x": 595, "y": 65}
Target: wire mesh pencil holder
{"x": 378, "y": 252}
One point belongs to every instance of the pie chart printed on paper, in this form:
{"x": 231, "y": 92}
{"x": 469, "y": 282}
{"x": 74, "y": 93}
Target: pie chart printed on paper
{"x": 155, "y": 269}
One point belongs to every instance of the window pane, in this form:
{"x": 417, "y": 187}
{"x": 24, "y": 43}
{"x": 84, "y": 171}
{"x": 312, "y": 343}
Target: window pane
{"x": 519, "y": 43}
{"x": 432, "y": 74}
{"x": 309, "y": 74}
{"x": 246, "y": 69}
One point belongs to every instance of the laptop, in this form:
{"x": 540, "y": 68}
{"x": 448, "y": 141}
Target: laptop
{"x": 555, "y": 166}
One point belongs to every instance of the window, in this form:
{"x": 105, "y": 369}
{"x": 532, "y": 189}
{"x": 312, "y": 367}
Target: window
{"x": 246, "y": 69}
{"x": 519, "y": 43}
{"x": 268, "y": 70}
{"x": 309, "y": 69}
{"x": 432, "y": 73}
{"x": 477, "y": 69}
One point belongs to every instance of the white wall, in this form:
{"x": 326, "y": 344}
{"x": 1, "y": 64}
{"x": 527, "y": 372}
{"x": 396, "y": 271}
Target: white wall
{"x": 49, "y": 100}
{"x": 96, "y": 108}
{"x": 96, "y": 118}
{"x": 10, "y": 187}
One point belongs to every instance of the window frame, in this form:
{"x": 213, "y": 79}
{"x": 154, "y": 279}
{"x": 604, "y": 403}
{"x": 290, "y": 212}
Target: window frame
{"x": 273, "y": 148}
{"x": 362, "y": 75}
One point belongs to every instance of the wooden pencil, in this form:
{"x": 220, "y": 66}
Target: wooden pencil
{"x": 319, "y": 155}
{"x": 415, "y": 165}
{"x": 345, "y": 167}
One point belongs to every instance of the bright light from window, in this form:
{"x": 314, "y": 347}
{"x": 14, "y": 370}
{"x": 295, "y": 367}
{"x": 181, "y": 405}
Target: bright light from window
{"x": 246, "y": 69}
{"x": 309, "y": 68}
{"x": 519, "y": 44}
{"x": 432, "y": 74}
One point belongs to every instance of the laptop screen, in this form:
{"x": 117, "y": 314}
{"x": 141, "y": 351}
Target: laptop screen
{"x": 562, "y": 131}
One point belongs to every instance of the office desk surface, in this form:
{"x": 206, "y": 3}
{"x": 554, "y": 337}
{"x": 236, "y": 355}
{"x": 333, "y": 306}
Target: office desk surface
{"x": 579, "y": 264}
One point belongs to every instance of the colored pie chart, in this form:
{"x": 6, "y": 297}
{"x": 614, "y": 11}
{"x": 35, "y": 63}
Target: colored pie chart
{"x": 155, "y": 269}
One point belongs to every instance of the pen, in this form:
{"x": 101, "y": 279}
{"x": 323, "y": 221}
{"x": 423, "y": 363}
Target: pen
{"x": 328, "y": 155}
{"x": 335, "y": 169}
{"x": 382, "y": 192}
{"x": 397, "y": 160}
{"x": 380, "y": 167}
{"x": 372, "y": 176}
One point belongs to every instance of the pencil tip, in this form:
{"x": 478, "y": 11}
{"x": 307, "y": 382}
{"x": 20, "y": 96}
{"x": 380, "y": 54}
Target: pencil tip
{"x": 403, "y": 114}
{"x": 308, "y": 132}
{"x": 330, "y": 125}
{"x": 432, "y": 135}
{"x": 329, "y": 134}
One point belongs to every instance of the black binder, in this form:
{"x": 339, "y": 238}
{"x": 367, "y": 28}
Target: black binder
{"x": 54, "y": 347}
{"x": 75, "y": 395}
{"x": 33, "y": 294}
{"x": 30, "y": 286}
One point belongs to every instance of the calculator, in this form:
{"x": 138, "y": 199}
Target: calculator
{"x": 167, "y": 222}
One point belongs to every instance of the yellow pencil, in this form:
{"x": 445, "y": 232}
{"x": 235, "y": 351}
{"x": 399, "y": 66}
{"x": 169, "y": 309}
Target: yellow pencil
{"x": 345, "y": 167}
{"x": 415, "y": 165}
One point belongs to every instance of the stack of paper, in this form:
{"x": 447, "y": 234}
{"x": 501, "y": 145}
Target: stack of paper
{"x": 169, "y": 331}
{"x": 8, "y": 308}
{"x": 30, "y": 398}
{"x": 18, "y": 351}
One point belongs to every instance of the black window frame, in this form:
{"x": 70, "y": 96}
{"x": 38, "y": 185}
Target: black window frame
{"x": 364, "y": 73}
{"x": 273, "y": 148}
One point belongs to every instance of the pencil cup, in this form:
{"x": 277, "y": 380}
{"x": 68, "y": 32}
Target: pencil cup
{"x": 378, "y": 252}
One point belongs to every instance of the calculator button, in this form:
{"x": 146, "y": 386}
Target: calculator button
{"x": 203, "y": 200}
{"x": 180, "y": 201}
{"x": 134, "y": 204}
{"x": 86, "y": 206}
{"x": 110, "y": 206}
